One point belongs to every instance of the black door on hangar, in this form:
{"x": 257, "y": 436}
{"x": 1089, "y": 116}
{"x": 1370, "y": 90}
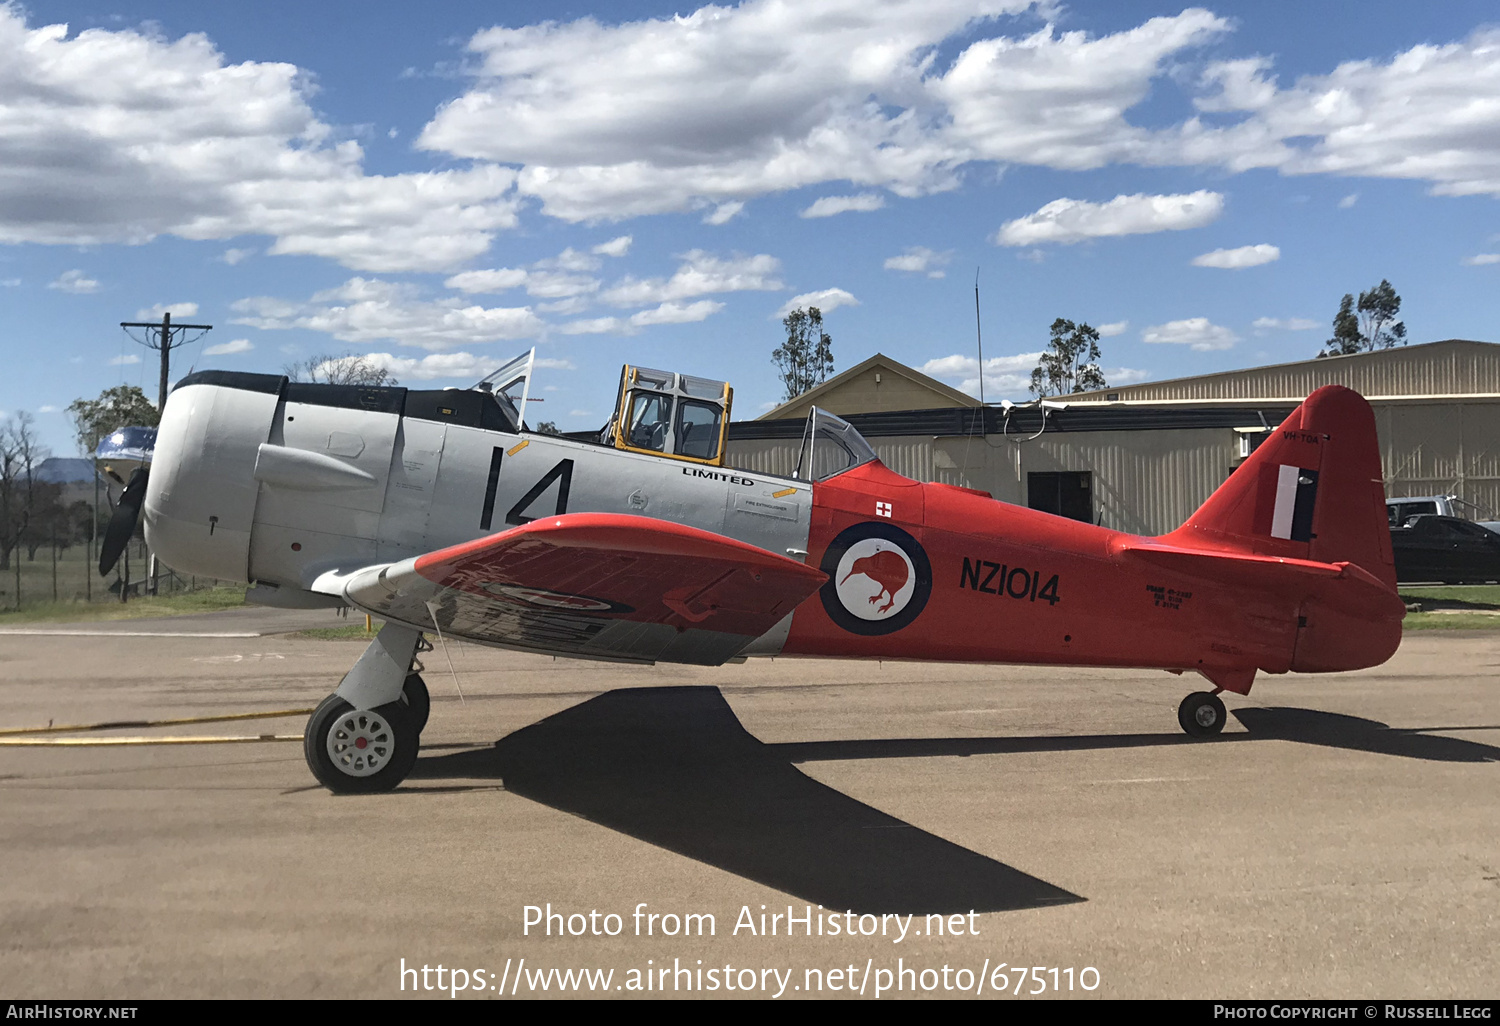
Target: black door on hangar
{"x": 1067, "y": 494}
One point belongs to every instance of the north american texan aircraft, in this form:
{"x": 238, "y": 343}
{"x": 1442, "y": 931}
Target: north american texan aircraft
{"x": 442, "y": 512}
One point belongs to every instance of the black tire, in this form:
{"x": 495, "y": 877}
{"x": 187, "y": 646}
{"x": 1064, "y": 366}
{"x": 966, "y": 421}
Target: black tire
{"x": 418, "y": 701}
{"x": 1201, "y": 714}
{"x": 390, "y": 735}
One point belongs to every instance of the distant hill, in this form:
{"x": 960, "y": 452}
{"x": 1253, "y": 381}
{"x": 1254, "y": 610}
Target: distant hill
{"x": 66, "y": 470}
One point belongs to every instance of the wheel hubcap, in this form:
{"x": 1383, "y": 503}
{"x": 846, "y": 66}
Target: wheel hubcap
{"x": 361, "y": 743}
{"x": 1206, "y": 716}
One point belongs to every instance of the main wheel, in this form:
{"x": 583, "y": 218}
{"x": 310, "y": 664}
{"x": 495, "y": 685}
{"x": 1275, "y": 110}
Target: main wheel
{"x": 360, "y": 751}
{"x": 1201, "y": 714}
{"x": 418, "y": 701}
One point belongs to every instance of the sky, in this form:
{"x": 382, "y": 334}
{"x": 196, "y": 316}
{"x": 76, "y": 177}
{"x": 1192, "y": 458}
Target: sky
{"x": 442, "y": 186}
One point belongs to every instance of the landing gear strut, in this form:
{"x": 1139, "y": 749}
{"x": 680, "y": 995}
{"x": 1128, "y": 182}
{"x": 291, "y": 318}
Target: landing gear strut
{"x": 1202, "y": 714}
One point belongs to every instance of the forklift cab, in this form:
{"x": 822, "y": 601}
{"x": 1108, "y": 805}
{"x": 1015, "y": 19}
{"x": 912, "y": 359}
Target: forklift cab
{"x": 669, "y": 414}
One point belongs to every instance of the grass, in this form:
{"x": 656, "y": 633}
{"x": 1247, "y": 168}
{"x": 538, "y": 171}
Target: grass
{"x": 1474, "y": 608}
{"x": 353, "y": 632}
{"x": 1458, "y": 596}
{"x": 208, "y": 600}
{"x": 1450, "y": 622}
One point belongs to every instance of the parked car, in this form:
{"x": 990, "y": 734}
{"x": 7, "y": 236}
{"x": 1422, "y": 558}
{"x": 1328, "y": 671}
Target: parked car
{"x": 1430, "y": 547}
{"x": 1401, "y": 509}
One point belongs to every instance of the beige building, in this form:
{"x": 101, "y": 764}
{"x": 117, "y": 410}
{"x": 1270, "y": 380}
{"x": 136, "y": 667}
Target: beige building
{"x": 1141, "y": 458}
{"x": 879, "y": 385}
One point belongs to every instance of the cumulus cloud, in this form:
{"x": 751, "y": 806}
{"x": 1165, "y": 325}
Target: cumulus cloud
{"x": 831, "y": 205}
{"x": 677, "y": 313}
{"x": 559, "y": 284}
{"x": 75, "y": 282}
{"x": 1235, "y": 259}
{"x": 728, "y": 103}
{"x": 434, "y": 366}
{"x": 1067, "y": 221}
{"x": 128, "y": 358}
{"x": 1196, "y": 332}
{"x": 10, "y": 283}
{"x": 723, "y": 213}
{"x": 238, "y": 345}
{"x": 499, "y": 279}
{"x": 1124, "y": 375}
{"x": 664, "y": 313}
{"x": 1265, "y": 324}
{"x": 595, "y": 326}
{"x": 1349, "y": 201}
{"x": 920, "y": 260}
{"x": 555, "y": 278}
{"x": 616, "y": 247}
{"x": 1430, "y": 113}
{"x": 123, "y": 135}
{"x": 699, "y": 274}
{"x": 365, "y": 310}
{"x": 1003, "y": 375}
{"x": 235, "y": 256}
{"x": 824, "y": 299}
{"x": 1112, "y": 329}
{"x": 177, "y": 310}
{"x": 1481, "y": 259}
{"x": 570, "y": 259}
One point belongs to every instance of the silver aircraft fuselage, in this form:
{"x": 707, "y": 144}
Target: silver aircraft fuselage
{"x": 278, "y": 484}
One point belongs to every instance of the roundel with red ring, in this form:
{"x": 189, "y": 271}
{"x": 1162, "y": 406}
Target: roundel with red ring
{"x": 879, "y": 579}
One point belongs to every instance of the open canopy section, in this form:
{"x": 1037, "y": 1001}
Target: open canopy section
{"x": 510, "y": 383}
{"x": 830, "y": 446}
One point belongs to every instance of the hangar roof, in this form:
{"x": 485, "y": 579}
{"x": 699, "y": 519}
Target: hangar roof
{"x": 1451, "y": 367}
{"x": 879, "y": 385}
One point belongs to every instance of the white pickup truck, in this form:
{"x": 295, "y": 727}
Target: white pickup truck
{"x": 1399, "y": 511}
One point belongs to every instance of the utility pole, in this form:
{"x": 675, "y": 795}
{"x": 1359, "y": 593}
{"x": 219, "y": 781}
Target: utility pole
{"x": 164, "y": 338}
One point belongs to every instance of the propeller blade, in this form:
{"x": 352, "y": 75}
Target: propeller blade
{"x": 122, "y": 521}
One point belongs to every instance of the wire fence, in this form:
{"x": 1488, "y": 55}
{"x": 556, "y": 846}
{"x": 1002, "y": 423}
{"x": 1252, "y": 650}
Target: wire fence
{"x": 54, "y": 574}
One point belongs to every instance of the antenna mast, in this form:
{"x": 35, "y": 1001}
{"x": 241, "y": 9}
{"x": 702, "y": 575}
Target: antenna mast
{"x": 978, "y": 336}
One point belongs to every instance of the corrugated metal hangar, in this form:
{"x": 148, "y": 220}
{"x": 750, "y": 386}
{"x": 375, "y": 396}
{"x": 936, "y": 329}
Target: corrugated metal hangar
{"x": 1141, "y": 458}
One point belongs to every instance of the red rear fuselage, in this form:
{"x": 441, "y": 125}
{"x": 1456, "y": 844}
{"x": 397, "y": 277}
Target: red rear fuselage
{"x": 985, "y": 581}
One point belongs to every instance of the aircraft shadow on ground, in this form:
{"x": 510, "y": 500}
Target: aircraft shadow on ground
{"x": 1308, "y": 726}
{"x": 674, "y": 767}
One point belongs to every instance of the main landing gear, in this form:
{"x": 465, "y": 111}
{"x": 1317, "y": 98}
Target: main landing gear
{"x": 1202, "y": 714}
{"x": 364, "y": 737}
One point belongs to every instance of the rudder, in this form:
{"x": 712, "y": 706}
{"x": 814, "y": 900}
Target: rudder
{"x": 1312, "y": 490}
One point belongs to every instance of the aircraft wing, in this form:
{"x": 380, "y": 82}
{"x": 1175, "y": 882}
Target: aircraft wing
{"x": 595, "y": 585}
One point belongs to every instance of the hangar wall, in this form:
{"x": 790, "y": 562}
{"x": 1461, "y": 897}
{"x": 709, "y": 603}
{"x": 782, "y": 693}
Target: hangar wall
{"x": 1148, "y": 480}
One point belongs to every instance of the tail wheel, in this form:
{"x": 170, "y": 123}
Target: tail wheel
{"x": 1202, "y": 714}
{"x": 418, "y": 701}
{"x": 360, "y": 751}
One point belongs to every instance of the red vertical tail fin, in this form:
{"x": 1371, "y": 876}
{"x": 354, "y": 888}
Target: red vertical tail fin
{"x": 1312, "y": 490}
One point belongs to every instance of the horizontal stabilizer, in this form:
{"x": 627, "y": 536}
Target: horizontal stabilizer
{"x": 1358, "y": 591}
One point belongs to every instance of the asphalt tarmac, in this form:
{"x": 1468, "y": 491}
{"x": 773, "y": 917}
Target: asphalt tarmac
{"x": 1341, "y": 840}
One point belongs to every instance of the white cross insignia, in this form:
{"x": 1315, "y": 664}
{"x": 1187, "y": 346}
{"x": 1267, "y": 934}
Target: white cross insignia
{"x": 882, "y": 509}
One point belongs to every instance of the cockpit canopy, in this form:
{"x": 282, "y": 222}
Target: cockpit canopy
{"x": 671, "y": 415}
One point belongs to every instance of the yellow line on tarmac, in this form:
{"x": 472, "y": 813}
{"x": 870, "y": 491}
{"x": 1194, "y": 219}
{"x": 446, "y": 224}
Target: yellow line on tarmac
{"x": 116, "y": 725}
{"x": 105, "y": 742}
